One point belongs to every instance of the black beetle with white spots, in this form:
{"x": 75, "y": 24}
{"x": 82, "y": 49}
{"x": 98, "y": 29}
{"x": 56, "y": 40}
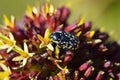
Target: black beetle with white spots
{"x": 65, "y": 40}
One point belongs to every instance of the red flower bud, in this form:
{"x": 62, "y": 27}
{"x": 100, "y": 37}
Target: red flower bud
{"x": 99, "y": 75}
{"x": 85, "y": 65}
{"x": 89, "y": 71}
{"x": 107, "y": 64}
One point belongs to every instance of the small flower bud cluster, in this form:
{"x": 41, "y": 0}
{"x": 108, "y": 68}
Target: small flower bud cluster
{"x": 27, "y": 52}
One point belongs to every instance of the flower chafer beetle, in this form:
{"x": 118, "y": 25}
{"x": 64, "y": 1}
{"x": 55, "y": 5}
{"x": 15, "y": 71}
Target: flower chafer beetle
{"x": 65, "y": 40}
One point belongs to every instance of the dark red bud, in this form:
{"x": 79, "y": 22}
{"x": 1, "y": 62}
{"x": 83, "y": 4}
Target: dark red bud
{"x": 99, "y": 75}
{"x": 107, "y": 64}
{"x": 89, "y": 71}
{"x": 83, "y": 67}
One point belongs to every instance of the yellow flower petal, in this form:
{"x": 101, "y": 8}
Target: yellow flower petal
{"x": 1, "y": 42}
{"x": 31, "y": 54}
{"x": 8, "y": 22}
{"x": 3, "y": 67}
{"x": 47, "y": 35}
{"x": 11, "y": 37}
{"x": 9, "y": 49}
{"x": 80, "y": 22}
{"x": 97, "y": 41}
{"x": 111, "y": 79}
{"x": 41, "y": 38}
{"x": 65, "y": 69}
{"x": 57, "y": 51}
{"x": 25, "y": 47}
{"x": 45, "y": 40}
{"x": 42, "y": 45}
{"x": 18, "y": 58}
{"x": 49, "y": 46}
{"x": 5, "y": 39}
{"x": 29, "y": 12}
{"x": 23, "y": 63}
{"x": 52, "y": 9}
{"x": 47, "y": 8}
{"x": 36, "y": 11}
{"x": 91, "y": 34}
{"x": 20, "y": 51}
{"x": 10, "y": 42}
{"x": 4, "y": 46}
{"x": 13, "y": 20}
{"x": 61, "y": 75}
{"x": 78, "y": 34}
{"x": 5, "y": 76}
{"x": 1, "y": 57}
{"x": 61, "y": 26}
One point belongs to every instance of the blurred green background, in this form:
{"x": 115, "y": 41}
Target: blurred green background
{"x": 104, "y": 14}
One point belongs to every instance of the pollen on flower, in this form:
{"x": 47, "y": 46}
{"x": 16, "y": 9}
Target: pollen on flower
{"x": 46, "y": 47}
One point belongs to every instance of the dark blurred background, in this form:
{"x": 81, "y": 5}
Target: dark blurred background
{"x": 104, "y": 14}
